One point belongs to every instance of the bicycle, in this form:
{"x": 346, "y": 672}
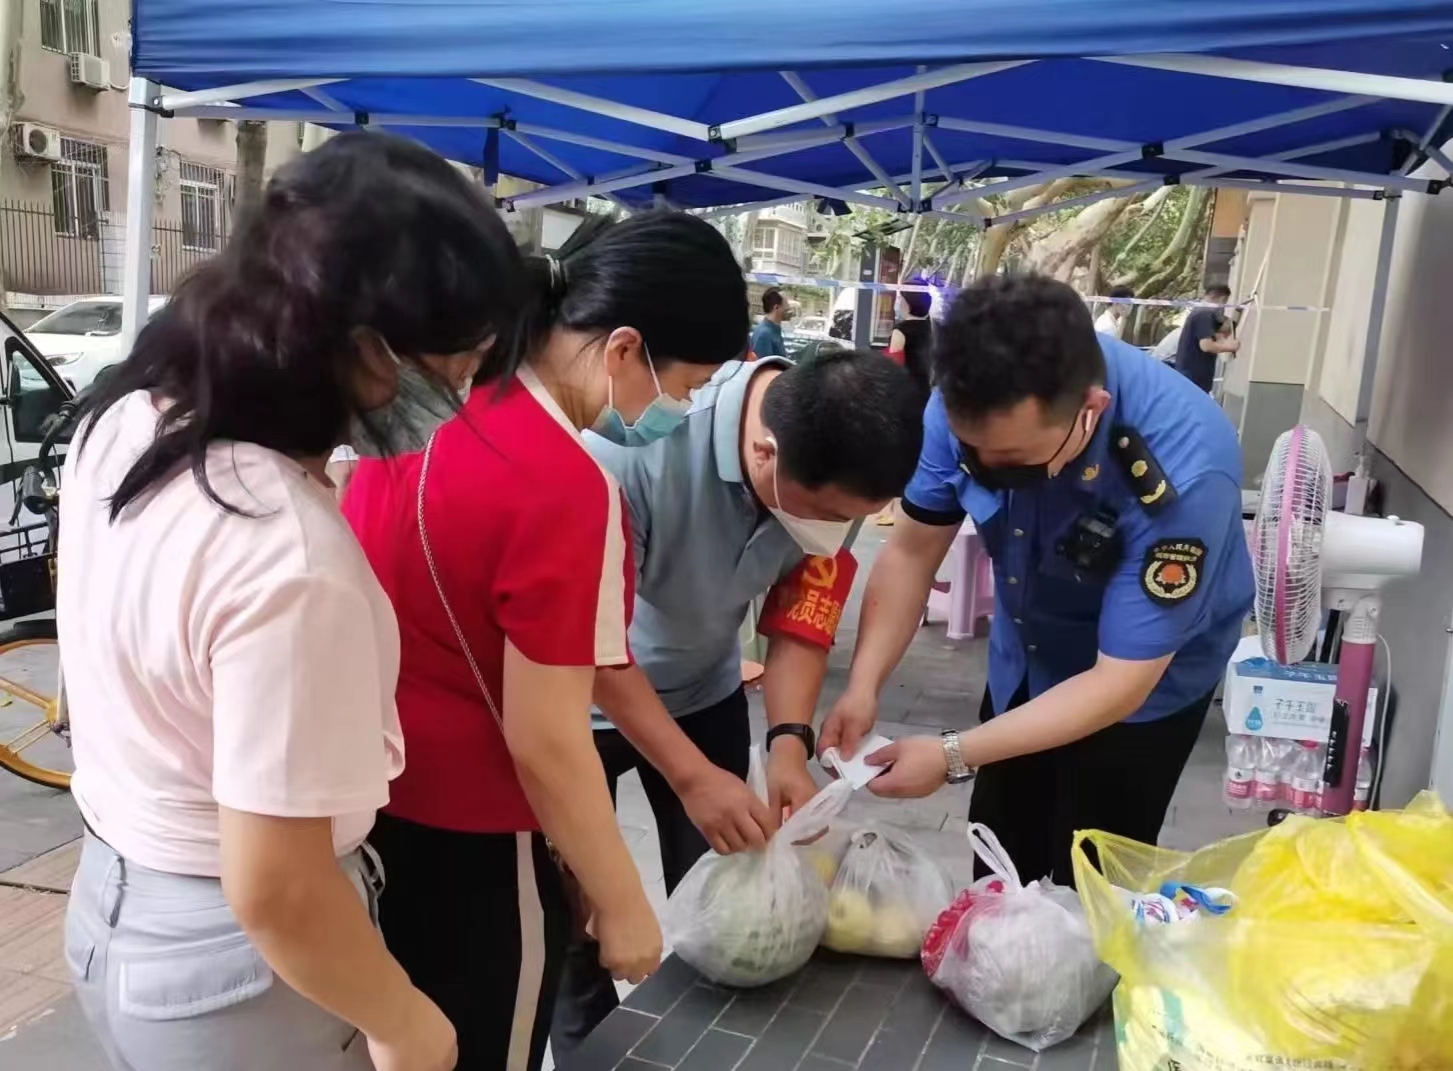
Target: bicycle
{"x": 30, "y": 670}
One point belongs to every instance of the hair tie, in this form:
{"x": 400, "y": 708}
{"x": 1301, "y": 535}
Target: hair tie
{"x": 557, "y": 276}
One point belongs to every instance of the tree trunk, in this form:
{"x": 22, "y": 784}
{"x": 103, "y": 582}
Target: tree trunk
{"x": 912, "y": 241}
{"x": 1182, "y": 248}
{"x": 251, "y": 163}
{"x": 1154, "y": 207}
{"x": 1058, "y": 254}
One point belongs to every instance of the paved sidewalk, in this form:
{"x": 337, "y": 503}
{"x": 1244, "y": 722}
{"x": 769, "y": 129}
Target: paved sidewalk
{"x": 938, "y": 686}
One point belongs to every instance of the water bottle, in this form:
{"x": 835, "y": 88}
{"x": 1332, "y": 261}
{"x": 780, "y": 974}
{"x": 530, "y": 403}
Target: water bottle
{"x": 1362, "y": 790}
{"x": 1307, "y": 779}
{"x": 1240, "y": 771}
{"x": 1266, "y": 782}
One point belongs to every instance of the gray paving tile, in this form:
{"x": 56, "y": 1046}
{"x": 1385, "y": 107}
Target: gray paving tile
{"x": 672, "y": 1038}
{"x": 610, "y": 1041}
{"x": 630, "y": 1063}
{"x": 813, "y": 1062}
{"x": 752, "y": 1009}
{"x": 824, "y": 981}
{"x": 785, "y": 1041}
{"x": 954, "y": 1043}
{"x": 1076, "y": 1054}
{"x": 854, "y": 1023}
{"x": 657, "y": 994}
{"x": 716, "y": 1051}
{"x": 1011, "y": 1053}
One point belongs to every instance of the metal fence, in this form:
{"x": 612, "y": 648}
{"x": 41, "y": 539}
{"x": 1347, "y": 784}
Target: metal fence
{"x": 177, "y": 248}
{"x": 38, "y": 257}
{"x": 35, "y": 259}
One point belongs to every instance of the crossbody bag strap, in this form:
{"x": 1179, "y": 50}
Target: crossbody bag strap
{"x": 439, "y": 587}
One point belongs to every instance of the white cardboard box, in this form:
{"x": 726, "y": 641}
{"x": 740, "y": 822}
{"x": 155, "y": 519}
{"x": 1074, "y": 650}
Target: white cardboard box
{"x": 1264, "y": 698}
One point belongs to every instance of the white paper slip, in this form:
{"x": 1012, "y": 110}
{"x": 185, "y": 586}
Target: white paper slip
{"x": 855, "y": 771}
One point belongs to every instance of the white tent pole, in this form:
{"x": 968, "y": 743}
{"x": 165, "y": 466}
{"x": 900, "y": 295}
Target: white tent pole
{"x": 524, "y": 141}
{"x": 732, "y": 210}
{"x": 1427, "y": 139}
{"x": 943, "y": 200}
{"x": 1433, "y": 152}
{"x": 856, "y": 98}
{"x": 1376, "y": 308}
{"x": 810, "y": 189}
{"x": 222, "y": 112}
{"x": 323, "y": 97}
{"x": 600, "y": 185}
{"x": 140, "y": 203}
{"x": 628, "y": 113}
{"x": 571, "y": 138}
{"x": 1387, "y": 86}
{"x": 170, "y": 102}
{"x": 938, "y": 158}
{"x": 802, "y": 89}
{"x": 1072, "y": 202}
{"x": 1025, "y": 133}
{"x": 1214, "y": 180}
{"x": 804, "y": 139}
{"x": 915, "y": 184}
{"x": 1295, "y": 170}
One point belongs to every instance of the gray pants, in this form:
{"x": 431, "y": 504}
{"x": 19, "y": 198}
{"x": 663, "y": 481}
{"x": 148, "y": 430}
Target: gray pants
{"x": 170, "y": 982}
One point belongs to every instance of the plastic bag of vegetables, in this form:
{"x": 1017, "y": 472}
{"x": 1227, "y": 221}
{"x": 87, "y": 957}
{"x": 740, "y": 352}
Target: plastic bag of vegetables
{"x": 753, "y": 917}
{"x": 1017, "y": 957}
{"x": 887, "y": 894}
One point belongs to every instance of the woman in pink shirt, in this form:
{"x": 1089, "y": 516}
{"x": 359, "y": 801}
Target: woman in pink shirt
{"x": 230, "y": 659}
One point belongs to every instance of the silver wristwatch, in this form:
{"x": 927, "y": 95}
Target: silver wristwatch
{"x": 958, "y": 771}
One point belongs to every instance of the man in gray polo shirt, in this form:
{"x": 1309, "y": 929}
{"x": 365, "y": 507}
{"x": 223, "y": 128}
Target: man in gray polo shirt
{"x": 761, "y": 490}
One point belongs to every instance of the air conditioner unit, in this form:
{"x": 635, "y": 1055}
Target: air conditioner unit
{"x": 38, "y": 142}
{"x": 90, "y": 71}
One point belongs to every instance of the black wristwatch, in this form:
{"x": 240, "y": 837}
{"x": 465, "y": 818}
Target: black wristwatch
{"x": 802, "y": 732}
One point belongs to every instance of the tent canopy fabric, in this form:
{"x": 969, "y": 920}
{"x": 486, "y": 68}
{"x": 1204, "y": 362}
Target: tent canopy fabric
{"x": 573, "y": 93}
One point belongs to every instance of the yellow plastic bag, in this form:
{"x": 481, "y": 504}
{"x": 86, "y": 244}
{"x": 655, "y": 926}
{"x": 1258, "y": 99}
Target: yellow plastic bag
{"x": 1339, "y": 950}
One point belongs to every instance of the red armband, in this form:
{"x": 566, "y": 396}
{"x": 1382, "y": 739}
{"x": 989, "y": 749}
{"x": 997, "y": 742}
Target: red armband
{"x": 807, "y": 603}
{"x": 898, "y": 357}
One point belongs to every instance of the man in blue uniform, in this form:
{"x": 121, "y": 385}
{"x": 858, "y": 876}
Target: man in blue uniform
{"x": 1107, "y": 489}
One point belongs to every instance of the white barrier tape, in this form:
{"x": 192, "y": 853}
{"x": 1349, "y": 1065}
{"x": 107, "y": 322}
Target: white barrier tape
{"x": 918, "y": 288}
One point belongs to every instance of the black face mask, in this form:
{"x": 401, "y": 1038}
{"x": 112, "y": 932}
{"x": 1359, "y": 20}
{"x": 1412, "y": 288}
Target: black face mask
{"x": 1007, "y": 477}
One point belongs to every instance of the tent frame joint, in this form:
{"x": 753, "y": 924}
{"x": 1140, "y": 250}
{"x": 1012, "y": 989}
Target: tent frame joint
{"x": 1152, "y": 149}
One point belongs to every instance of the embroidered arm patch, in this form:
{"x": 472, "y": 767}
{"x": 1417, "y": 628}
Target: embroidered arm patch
{"x": 1171, "y": 572}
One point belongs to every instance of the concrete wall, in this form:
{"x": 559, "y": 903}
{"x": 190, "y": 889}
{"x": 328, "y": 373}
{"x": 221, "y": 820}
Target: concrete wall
{"x": 48, "y": 97}
{"x": 1410, "y": 444}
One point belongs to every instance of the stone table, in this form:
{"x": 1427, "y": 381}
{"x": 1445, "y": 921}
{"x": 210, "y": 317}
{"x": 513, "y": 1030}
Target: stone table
{"x": 837, "y": 1013}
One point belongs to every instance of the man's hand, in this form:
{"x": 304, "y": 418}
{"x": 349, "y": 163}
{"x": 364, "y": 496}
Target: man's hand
{"x": 918, "y": 767}
{"x": 789, "y": 784}
{"x": 728, "y": 813}
{"x": 851, "y": 718}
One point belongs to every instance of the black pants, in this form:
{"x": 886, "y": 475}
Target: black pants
{"x": 1120, "y": 779}
{"x": 481, "y": 930}
{"x": 722, "y": 732}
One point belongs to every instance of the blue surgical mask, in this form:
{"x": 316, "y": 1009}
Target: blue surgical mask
{"x": 658, "y": 420}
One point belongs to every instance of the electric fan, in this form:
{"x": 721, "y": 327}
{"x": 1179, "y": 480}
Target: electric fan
{"x": 1308, "y": 557}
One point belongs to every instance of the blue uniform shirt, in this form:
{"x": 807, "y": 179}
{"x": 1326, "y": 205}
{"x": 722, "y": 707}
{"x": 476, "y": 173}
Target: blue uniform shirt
{"x": 1183, "y": 581}
{"x": 767, "y": 339}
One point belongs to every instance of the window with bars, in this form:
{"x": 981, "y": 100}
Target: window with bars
{"x": 80, "y": 189}
{"x": 201, "y": 207}
{"x": 71, "y": 26}
{"x": 764, "y": 242}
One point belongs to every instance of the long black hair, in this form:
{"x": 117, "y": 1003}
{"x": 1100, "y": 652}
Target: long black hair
{"x": 367, "y": 231}
{"x": 670, "y": 275}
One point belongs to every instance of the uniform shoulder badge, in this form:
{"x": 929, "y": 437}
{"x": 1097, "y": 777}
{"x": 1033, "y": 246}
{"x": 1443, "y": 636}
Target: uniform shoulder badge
{"x": 1171, "y": 572}
{"x": 1149, "y": 481}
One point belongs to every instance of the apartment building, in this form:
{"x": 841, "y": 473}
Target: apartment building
{"x": 63, "y": 162}
{"x": 779, "y": 240}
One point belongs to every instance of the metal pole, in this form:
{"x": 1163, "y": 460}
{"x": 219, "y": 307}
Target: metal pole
{"x": 140, "y": 204}
{"x": 1372, "y": 344}
{"x": 1330, "y": 81}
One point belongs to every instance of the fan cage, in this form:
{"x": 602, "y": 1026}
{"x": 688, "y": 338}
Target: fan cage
{"x": 1287, "y": 543}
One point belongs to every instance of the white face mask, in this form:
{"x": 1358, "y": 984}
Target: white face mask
{"x": 824, "y": 538}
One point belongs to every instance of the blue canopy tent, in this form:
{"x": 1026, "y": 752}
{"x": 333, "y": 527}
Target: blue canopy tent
{"x": 708, "y": 105}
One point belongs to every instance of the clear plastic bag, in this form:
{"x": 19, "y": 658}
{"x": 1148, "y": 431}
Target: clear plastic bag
{"x": 754, "y": 917}
{"x": 1017, "y": 957}
{"x": 887, "y": 894}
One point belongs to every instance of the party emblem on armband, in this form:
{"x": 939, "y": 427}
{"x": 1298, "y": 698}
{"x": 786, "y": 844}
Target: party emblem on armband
{"x": 1172, "y": 570}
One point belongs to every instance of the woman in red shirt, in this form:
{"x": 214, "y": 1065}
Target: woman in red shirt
{"x": 506, "y": 550}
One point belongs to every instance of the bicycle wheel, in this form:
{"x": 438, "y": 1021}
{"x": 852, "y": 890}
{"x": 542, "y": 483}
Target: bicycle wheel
{"x": 34, "y": 736}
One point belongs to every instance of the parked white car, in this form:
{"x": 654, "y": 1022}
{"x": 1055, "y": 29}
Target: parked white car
{"x": 80, "y": 339}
